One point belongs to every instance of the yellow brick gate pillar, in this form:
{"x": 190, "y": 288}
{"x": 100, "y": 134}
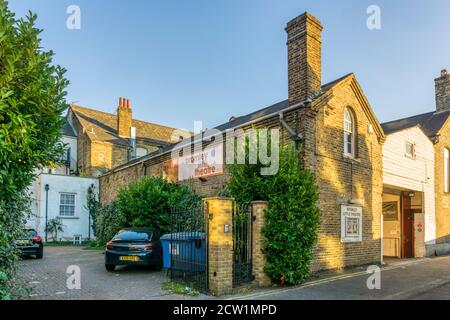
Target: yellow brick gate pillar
{"x": 259, "y": 209}
{"x": 219, "y": 211}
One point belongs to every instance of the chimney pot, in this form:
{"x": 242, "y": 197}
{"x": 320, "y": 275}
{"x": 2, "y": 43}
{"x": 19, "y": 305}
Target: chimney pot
{"x": 124, "y": 118}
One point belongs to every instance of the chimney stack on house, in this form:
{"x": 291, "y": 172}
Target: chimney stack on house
{"x": 304, "y": 42}
{"x": 442, "y": 85}
{"x": 124, "y": 118}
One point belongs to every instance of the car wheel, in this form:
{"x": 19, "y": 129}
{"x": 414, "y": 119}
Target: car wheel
{"x": 110, "y": 267}
{"x": 39, "y": 255}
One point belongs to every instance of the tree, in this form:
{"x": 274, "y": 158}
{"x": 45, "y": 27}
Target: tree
{"x": 92, "y": 205}
{"x": 32, "y": 100}
{"x": 54, "y": 226}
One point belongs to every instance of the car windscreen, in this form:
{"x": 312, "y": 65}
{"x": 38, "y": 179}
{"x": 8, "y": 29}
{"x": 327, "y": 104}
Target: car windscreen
{"x": 133, "y": 235}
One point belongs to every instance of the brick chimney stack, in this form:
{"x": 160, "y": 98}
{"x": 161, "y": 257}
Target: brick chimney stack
{"x": 124, "y": 118}
{"x": 442, "y": 85}
{"x": 304, "y": 42}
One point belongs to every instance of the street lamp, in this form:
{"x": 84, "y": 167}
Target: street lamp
{"x": 47, "y": 187}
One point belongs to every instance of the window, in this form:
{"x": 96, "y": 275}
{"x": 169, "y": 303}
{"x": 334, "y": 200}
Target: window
{"x": 446, "y": 170}
{"x": 349, "y": 133}
{"x": 140, "y": 152}
{"x": 410, "y": 149}
{"x": 67, "y": 205}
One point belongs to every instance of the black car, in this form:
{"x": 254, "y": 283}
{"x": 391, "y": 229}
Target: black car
{"x": 30, "y": 244}
{"x": 134, "y": 246}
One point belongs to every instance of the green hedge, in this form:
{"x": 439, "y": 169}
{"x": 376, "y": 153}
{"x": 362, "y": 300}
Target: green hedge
{"x": 108, "y": 221}
{"x": 293, "y": 215}
{"x": 144, "y": 203}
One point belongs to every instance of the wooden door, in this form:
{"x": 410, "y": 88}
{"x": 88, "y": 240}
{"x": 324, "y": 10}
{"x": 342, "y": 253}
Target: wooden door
{"x": 407, "y": 227}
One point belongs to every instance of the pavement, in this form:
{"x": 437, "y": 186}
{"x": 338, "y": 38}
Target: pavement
{"x": 427, "y": 278}
{"x": 412, "y": 279}
{"x": 48, "y": 278}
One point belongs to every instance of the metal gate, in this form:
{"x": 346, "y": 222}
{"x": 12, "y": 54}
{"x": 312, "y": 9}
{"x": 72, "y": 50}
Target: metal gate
{"x": 242, "y": 246}
{"x": 188, "y": 247}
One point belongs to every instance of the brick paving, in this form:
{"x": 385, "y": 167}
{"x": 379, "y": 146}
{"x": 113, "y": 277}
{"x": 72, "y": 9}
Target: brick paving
{"x": 48, "y": 277}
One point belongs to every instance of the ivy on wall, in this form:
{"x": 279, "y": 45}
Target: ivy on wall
{"x": 292, "y": 219}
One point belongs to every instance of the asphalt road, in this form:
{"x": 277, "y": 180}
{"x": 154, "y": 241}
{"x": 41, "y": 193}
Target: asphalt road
{"x": 411, "y": 279}
{"x": 418, "y": 279}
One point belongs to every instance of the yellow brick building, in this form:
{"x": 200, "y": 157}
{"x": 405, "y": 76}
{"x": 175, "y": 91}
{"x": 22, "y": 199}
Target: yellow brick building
{"x": 105, "y": 140}
{"x": 341, "y": 141}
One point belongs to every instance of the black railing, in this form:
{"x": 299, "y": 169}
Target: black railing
{"x": 188, "y": 248}
{"x": 242, "y": 246}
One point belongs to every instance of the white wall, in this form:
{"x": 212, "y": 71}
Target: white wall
{"x": 416, "y": 174}
{"x": 62, "y": 184}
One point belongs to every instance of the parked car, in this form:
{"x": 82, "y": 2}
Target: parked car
{"x": 31, "y": 244}
{"x": 134, "y": 246}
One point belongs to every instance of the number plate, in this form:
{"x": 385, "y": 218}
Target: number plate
{"x": 129, "y": 258}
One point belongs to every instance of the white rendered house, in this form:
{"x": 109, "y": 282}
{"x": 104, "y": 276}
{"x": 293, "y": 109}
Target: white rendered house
{"x": 60, "y": 193}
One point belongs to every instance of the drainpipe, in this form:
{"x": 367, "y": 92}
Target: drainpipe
{"x": 47, "y": 187}
{"x": 296, "y": 137}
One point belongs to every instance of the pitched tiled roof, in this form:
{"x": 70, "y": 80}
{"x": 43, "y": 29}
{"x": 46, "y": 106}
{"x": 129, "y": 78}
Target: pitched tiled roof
{"x": 238, "y": 121}
{"x": 430, "y": 122}
{"x": 67, "y": 130}
{"x": 102, "y": 126}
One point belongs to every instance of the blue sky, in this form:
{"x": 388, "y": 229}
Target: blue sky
{"x": 181, "y": 61}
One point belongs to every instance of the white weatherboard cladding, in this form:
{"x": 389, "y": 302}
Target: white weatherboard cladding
{"x": 407, "y": 173}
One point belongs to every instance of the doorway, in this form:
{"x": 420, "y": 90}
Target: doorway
{"x": 407, "y": 226}
{"x": 400, "y": 209}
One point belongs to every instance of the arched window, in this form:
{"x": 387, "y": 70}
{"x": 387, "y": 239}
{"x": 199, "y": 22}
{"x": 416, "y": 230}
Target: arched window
{"x": 349, "y": 133}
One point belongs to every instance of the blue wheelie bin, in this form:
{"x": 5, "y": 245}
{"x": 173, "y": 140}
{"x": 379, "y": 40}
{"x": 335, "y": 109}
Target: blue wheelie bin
{"x": 184, "y": 251}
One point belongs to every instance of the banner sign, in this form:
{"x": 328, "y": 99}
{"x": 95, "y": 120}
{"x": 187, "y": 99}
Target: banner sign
{"x": 206, "y": 163}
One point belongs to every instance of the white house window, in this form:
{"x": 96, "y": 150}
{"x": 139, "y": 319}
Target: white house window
{"x": 140, "y": 152}
{"x": 349, "y": 133}
{"x": 410, "y": 149}
{"x": 67, "y": 205}
{"x": 446, "y": 170}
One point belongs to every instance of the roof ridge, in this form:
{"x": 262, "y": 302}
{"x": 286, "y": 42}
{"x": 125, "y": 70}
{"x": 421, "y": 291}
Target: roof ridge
{"x": 409, "y": 117}
{"x": 115, "y": 115}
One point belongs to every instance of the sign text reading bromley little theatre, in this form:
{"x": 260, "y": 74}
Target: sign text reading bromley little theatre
{"x": 205, "y": 163}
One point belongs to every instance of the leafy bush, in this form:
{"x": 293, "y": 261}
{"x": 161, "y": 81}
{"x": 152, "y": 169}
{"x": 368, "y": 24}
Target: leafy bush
{"x": 54, "y": 226}
{"x": 4, "y": 290}
{"x": 92, "y": 205}
{"x": 149, "y": 201}
{"x": 32, "y": 92}
{"x": 292, "y": 217}
{"x": 108, "y": 221}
